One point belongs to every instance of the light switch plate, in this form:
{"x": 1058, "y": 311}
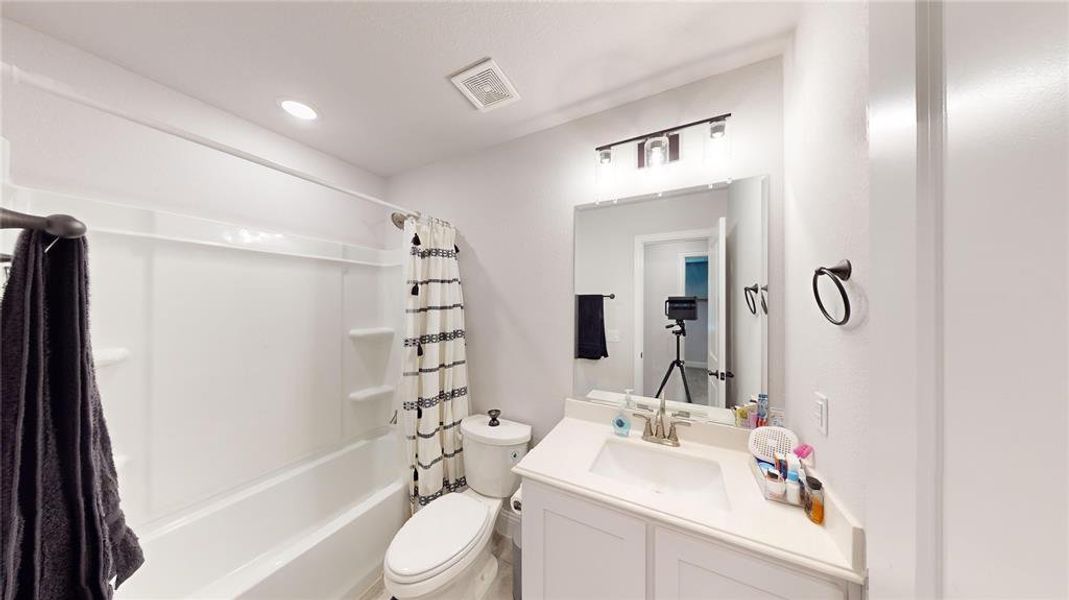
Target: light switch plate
{"x": 820, "y": 412}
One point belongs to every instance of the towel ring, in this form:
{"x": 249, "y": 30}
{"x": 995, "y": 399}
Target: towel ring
{"x": 838, "y": 274}
{"x": 764, "y": 303}
{"x": 751, "y": 303}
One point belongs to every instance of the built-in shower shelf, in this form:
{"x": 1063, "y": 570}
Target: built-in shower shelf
{"x": 109, "y": 356}
{"x": 370, "y": 394}
{"x": 371, "y": 333}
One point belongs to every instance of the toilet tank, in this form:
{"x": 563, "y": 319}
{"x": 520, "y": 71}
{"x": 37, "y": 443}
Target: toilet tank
{"x": 492, "y": 446}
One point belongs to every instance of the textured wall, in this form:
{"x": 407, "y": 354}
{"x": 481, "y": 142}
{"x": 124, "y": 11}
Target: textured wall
{"x": 825, "y": 220}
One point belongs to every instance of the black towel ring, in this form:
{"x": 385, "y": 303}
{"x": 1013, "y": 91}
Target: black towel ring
{"x": 751, "y": 303}
{"x": 764, "y": 303}
{"x": 838, "y": 274}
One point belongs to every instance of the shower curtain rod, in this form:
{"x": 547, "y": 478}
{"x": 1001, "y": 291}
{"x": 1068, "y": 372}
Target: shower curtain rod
{"x": 55, "y": 88}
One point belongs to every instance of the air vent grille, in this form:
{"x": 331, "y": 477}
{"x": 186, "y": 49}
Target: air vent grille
{"x": 485, "y": 85}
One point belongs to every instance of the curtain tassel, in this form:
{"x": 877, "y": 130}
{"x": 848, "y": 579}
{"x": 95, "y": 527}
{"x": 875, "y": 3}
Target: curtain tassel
{"x": 415, "y": 290}
{"x": 419, "y": 349}
{"x": 415, "y": 239}
{"x": 457, "y": 248}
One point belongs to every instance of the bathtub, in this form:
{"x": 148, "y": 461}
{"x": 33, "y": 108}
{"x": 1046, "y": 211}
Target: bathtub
{"x": 316, "y": 530}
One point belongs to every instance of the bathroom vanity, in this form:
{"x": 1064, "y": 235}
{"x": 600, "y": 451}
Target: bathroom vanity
{"x": 613, "y": 517}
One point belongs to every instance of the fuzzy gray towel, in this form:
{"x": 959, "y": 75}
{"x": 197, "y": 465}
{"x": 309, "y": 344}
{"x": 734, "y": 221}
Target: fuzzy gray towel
{"x": 62, "y": 533}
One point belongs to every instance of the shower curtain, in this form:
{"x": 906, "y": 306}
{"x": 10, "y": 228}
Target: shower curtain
{"x": 435, "y": 387}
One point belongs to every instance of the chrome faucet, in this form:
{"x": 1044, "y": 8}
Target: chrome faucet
{"x": 654, "y": 431}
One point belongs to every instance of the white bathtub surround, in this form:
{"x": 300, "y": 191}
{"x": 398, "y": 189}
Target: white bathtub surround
{"x": 435, "y": 387}
{"x": 314, "y": 530}
{"x": 567, "y": 459}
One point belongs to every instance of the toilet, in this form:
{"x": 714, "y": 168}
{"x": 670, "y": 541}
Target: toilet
{"x": 443, "y": 551}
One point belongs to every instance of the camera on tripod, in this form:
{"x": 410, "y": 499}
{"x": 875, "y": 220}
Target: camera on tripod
{"x": 679, "y": 309}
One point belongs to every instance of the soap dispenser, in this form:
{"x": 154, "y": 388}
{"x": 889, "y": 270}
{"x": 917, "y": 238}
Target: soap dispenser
{"x": 621, "y": 423}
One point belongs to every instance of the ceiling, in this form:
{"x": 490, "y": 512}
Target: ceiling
{"x": 378, "y": 72}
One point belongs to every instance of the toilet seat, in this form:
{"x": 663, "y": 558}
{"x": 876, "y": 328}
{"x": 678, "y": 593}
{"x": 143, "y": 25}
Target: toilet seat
{"x": 436, "y": 538}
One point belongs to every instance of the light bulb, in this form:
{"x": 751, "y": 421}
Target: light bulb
{"x": 605, "y": 156}
{"x": 657, "y": 150}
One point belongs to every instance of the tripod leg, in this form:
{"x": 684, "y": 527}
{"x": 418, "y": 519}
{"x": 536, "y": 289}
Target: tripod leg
{"x": 664, "y": 381}
{"x": 686, "y": 386}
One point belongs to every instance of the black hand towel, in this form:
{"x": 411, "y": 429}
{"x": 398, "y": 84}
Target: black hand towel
{"x": 62, "y": 533}
{"x": 590, "y": 326}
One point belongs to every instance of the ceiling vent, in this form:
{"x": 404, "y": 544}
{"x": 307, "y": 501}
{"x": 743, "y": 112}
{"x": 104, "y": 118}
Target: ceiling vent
{"x": 485, "y": 85}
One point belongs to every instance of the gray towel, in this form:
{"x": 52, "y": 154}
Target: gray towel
{"x": 62, "y": 533}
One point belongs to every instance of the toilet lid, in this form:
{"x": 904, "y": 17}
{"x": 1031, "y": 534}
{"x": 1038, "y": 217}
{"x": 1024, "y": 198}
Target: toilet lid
{"x": 437, "y": 536}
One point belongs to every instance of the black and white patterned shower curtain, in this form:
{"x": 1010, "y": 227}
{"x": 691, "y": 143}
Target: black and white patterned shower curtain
{"x": 435, "y": 387}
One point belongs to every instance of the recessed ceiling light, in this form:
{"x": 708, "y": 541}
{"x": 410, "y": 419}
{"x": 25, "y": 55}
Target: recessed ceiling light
{"x": 299, "y": 110}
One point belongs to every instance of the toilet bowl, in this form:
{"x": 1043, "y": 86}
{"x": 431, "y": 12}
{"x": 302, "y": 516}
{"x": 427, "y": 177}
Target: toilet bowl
{"x": 443, "y": 551}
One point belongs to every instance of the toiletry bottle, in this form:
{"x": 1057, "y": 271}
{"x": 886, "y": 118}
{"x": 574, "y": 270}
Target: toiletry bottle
{"x": 814, "y": 503}
{"x": 794, "y": 488}
{"x": 621, "y": 423}
{"x": 762, "y": 409}
{"x": 794, "y": 465}
{"x": 629, "y": 402}
{"x": 774, "y": 486}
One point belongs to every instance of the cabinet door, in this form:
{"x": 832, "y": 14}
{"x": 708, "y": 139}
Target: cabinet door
{"x": 686, "y": 568}
{"x": 577, "y": 550}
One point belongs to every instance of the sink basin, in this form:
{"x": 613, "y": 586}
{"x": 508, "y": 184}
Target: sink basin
{"x": 662, "y": 471}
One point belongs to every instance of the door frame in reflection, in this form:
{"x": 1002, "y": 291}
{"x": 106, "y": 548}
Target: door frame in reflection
{"x": 641, "y": 241}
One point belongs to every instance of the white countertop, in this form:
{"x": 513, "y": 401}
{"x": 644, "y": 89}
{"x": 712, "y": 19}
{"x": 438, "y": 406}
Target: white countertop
{"x": 564, "y": 457}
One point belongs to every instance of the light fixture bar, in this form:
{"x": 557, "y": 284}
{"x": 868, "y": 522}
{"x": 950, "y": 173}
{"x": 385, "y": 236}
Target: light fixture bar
{"x": 639, "y": 138}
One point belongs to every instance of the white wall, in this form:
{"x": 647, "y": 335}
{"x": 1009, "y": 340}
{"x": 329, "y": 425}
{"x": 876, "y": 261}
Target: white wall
{"x": 826, "y": 220}
{"x": 1006, "y": 306}
{"x": 513, "y": 207}
{"x": 239, "y": 362}
{"x": 604, "y": 263}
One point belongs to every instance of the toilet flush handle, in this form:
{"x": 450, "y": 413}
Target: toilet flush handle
{"x": 494, "y": 414}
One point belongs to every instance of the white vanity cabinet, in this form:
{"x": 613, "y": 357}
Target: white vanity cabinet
{"x": 578, "y": 549}
{"x": 687, "y": 568}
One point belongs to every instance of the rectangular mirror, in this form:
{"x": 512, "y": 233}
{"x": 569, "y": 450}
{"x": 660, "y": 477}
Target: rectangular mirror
{"x": 671, "y": 298}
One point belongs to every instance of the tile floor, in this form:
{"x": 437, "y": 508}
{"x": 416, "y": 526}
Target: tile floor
{"x": 500, "y": 589}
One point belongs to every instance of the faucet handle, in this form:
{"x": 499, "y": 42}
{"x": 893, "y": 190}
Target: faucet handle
{"x": 647, "y": 431}
{"x": 672, "y": 430}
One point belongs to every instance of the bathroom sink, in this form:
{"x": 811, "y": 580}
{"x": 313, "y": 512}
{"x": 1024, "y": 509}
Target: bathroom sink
{"x": 662, "y": 471}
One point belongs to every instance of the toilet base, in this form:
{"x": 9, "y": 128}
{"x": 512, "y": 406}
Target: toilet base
{"x": 472, "y": 584}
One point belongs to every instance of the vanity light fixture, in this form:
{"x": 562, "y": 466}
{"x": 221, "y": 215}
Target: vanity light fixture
{"x": 299, "y": 110}
{"x": 657, "y": 150}
{"x": 661, "y": 147}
